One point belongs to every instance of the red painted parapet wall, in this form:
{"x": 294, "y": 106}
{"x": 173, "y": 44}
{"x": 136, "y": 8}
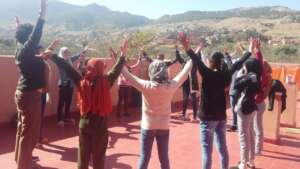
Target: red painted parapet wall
{"x": 9, "y": 76}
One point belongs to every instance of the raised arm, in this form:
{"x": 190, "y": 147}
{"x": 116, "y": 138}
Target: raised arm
{"x": 133, "y": 80}
{"x": 183, "y": 75}
{"x": 115, "y": 71}
{"x": 203, "y": 70}
{"x": 136, "y": 64}
{"x": 239, "y": 63}
{"x": 36, "y": 35}
{"x": 70, "y": 71}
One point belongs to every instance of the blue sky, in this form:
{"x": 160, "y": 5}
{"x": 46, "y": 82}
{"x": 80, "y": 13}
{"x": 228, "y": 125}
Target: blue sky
{"x": 156, "y": 8}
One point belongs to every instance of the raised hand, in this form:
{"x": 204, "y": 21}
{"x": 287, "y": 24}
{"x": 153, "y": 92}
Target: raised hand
{"x": 44, "y": 4}
{"x": 113, "y": 54}
{"x": 17, "y": 20}
{"x": 124, "y": 47}
{"x": 240, "y": 47}
{"x": 184, "y": 39}
{"x": 258, "y": 45}
{"x": 200, "y": 47}
{"x": 252, "y": 44}
{"x": 55, "y": 44}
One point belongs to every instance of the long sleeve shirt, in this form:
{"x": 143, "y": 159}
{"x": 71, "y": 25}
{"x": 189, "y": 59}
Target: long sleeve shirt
{"x": 213, "y": 100}
{"x": 31, "y": 67}
{"x": 112, "y": 75}
{"x": 192, "y": 78}
{"x": 157, "y": 98}
{"x": 64, "y": 79}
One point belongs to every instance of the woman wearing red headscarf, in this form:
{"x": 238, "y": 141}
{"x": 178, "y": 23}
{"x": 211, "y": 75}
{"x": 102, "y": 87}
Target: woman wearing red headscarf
{"x": 95, "y": 106}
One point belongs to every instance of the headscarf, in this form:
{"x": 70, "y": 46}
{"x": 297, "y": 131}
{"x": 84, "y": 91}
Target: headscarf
{"x": 62, "y": 51}
{"x": 94, "y": 91}
{"x": 158, "y": 71}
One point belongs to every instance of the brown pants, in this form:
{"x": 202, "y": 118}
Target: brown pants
{"x": 28, "y": 107}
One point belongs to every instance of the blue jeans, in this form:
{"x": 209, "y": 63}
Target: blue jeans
{"x": 207, "y": 131}
{"x": 233, "y": 101}
{"x": 162, "y": 140}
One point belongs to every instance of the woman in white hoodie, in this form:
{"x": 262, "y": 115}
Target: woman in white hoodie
{"x": 156, "y": 108}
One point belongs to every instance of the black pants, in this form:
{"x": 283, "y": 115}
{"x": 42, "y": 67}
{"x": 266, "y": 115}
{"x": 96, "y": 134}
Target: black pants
{"x": 64, "y": 102}
{"x": 123, "y": 98}
{"x": 186, "y": 93}
{"x": 93, "y": 140}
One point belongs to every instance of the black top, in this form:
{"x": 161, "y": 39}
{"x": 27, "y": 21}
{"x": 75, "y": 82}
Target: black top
{"x": 31, "y": 68}
{"x": 213, "y": 100}
{"x": 192, "y": 78}
{"x": 248, "y": 86}
{"x": 64, "y": 80}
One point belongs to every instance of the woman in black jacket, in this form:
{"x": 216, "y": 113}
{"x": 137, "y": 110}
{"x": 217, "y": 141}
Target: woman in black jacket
{"x": 215, "y": 78}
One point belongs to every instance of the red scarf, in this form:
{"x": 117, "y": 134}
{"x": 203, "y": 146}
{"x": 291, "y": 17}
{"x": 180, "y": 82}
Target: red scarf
{"x": 95, "y": 98}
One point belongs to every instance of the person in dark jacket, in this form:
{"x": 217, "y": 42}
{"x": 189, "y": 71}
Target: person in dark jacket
{"x": 215, "y": 78}
{"x": 31, "y": 84}
{"x": 277, "y": 87}
{"x": 190, "y": 86}
{"x": 65, "y": 85}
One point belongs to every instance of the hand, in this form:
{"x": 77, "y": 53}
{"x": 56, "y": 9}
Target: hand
{"x": 17, "y": 20}
{"x": 55, "y": 44}
{"x": 252, "y": 44}
{"x": 44, "y": 4}
{"x": 47, "y": 54}
{"x": 240, "y": 47}
{"x": 258, "y": 45}
{"x": 124, "y": 47}
{"x": 200, "y": 47}
{"x": 113, "y": 54}
{"x": 184, "y": 39}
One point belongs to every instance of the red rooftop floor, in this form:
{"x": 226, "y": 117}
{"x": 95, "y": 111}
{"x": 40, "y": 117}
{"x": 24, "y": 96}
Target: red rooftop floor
{"x": 123, "y": 149}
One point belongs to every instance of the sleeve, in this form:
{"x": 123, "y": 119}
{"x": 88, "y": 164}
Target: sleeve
{"x": 70, "y": 71}
{"x": 203, "y": 70}
{"x": 35, "y": 37}
{"x": 115, "y": 71}
{"x": 194, "y": 78}
{"x": 238, "y": 64}
{"x": 133, "y": 80}
{"x": 170, "y": 63}
{"x": 183, "y": 75}
{"x": 75, "y": 57}
{"x": 179, "y": 58}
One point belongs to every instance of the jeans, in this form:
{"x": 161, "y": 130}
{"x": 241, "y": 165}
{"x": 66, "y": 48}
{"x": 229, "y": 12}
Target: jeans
{"x": 258, "y": 127}
{"x": 207, "y": 131}
{"x": 186, "y": 93}
{"x": 233, "y": 101}
{"x": 246, "y": 137}
{"x": 64, "y": 101}
{"x": 162, "y": 140}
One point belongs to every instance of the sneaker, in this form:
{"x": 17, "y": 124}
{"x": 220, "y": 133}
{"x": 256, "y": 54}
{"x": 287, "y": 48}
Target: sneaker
{"x": 69, "y": 121}
{"x": 39, "y": 145}
{"x": 251, "y": 165}
{"x": 35, "y": 159}
{"x": 194, "y": 120}
{"x": 184, "y": 118}
{"x": 44, "y": 140}
{"x": 232, "y": 129}
{"x": 61, "y": 123}
{"x": 242, "y": 166}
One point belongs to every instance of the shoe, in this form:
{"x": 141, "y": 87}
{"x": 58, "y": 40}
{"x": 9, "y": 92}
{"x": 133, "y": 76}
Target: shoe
{"x": 184, "y": 118}
{"x": 69, "y": 121}
{"x": 232, "y": 129}
{"x": 44, "y": 140}
{"x": 251, "y": 165}
{"x": 194, "y": 120}
{"x": 35, "y": 159}
{"x": 242, "y": 166}
{"x": 39, "y": 145}
{"x": 61, "y": 123}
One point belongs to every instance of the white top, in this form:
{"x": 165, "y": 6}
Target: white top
{"x": 157, "y": 98}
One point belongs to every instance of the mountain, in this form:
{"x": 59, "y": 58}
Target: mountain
{"x": 71, "y": 16}
{"x": 274, "y": 12}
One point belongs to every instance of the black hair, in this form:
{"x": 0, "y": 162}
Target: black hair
{"x": 254, "y": 66}
{"x": 23, "y": 32}
{"x": 217, "y": 59}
